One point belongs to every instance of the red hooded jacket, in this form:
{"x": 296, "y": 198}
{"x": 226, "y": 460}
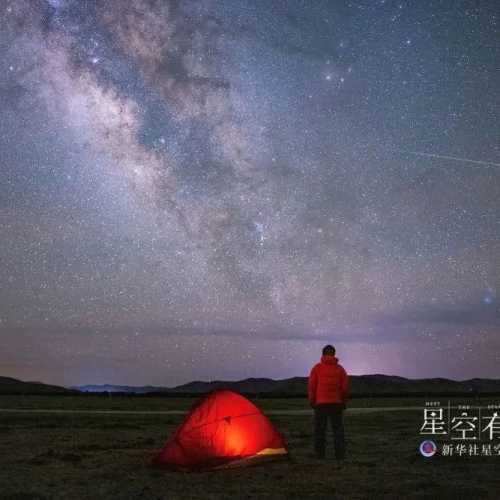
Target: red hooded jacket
{"x": 328, "y": 382}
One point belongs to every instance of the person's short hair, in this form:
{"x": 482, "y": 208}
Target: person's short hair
{"x": 328, "y": 350}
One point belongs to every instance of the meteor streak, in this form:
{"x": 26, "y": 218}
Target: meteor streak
{"x": 455, "y": 158}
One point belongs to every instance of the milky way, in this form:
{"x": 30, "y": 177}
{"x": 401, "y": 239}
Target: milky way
{"x": 215, "y": 189}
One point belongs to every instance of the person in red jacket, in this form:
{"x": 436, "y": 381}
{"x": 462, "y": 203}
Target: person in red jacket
{"x": 328, "y": 391}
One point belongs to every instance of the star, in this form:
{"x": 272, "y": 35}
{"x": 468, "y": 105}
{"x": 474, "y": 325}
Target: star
{"x": 488, "y": 299}
{"x": 177, "y": 172}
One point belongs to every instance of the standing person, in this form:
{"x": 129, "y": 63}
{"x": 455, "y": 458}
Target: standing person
{"x": 328, "y": 391}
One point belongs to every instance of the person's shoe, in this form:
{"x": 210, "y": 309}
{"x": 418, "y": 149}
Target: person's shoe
{"x": 340, "y": 462}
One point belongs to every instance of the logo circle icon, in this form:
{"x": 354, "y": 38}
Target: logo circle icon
{"x": 428, "y": 448}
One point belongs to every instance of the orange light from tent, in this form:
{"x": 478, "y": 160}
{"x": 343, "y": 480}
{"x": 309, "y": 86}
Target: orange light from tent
{"x": 235, "y": 440}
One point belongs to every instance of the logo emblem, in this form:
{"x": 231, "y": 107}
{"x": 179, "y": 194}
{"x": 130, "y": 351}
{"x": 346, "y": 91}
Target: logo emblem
{"x": 428, "y": 448}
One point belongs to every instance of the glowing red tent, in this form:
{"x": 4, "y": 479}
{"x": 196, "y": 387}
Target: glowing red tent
{"x": 223, "y": 429}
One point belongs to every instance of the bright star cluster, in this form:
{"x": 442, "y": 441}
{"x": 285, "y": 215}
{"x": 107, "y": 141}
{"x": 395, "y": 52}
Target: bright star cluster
{"x": 215, "y": 189}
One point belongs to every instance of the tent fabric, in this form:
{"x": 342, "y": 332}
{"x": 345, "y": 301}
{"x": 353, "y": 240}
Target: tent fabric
{"x": 223, "y": 429}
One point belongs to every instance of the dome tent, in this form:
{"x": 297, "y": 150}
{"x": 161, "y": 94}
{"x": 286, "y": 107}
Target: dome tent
{"x": 223, "y": 429}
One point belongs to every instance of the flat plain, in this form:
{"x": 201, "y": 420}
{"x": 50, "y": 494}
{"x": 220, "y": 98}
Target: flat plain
{"x": 92, "y": 447}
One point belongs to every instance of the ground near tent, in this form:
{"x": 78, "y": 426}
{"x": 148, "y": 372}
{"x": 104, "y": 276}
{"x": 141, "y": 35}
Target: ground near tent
{"x": 51, "y": 456}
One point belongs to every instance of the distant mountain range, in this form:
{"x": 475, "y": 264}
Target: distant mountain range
{"x": 13, "y": 386}
{"x": 376, "y": 385}
{"x": 361, "y": 385}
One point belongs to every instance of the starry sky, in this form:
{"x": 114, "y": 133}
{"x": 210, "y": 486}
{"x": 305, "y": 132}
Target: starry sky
{"x": 215, "y": 189}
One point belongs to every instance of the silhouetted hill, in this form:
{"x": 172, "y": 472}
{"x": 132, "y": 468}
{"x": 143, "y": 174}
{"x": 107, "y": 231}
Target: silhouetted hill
{"x": 361, "y": 385}
{"x": 121, "y": 388}
{"x": 13, "y": 386}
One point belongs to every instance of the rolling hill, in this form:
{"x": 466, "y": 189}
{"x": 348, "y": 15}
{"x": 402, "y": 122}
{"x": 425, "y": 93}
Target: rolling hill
{"x": 361, "y": 385}
{"x": 13, "y": 386}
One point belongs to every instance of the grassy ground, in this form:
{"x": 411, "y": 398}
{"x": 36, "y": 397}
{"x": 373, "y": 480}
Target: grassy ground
{"x": 108, "y": 456}
{"x": 132, "y": 403}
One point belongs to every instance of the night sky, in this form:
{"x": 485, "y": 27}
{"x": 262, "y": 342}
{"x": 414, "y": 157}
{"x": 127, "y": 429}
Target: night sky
{"x": 216, "y": 189}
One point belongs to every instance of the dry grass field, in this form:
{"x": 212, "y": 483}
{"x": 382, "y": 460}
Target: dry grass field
{"x": 78, "y": 455}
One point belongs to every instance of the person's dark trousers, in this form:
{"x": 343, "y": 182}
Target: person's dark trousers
{"x": 333, "y": 413}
